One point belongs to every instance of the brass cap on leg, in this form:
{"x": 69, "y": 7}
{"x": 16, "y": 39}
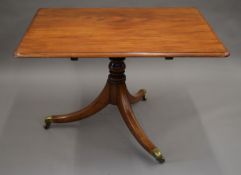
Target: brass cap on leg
{"x": 48, "y": 121}
{"x": 158, "y": 156}
{"x": 144, "y": 96}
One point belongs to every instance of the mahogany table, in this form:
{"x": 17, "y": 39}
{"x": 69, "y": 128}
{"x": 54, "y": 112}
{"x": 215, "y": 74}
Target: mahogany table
{"x": 117, "y": 33}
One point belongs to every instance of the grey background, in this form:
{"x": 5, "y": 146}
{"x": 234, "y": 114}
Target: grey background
{"x": 193, "y": 112}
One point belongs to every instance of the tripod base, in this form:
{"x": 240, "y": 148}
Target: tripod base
{"x": 116, "y": 93}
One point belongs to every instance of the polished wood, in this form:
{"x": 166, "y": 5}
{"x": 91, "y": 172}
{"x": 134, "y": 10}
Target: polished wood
{"x": 120, "y": 32}
{"x": 115, "y": 92}
{"x": 140, "y": 95}
{"x": 130, "y": 120}
{"x": 99, "y": 103}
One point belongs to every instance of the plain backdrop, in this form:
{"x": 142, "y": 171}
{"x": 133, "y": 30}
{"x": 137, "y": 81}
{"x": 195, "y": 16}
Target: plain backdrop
{"x": 193, "y": 111}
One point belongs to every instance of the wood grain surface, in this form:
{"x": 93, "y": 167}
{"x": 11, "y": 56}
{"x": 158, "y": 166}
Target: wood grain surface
{"x": 119, "y": 32}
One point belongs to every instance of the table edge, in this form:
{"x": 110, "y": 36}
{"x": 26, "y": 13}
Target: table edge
{"x": 120, "y": 54}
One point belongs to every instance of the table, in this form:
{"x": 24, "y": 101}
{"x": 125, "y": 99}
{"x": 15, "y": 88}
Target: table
{"x": 117, "y": 33}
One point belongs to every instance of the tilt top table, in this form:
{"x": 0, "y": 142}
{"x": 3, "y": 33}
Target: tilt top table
{"x": 117, "y": 33}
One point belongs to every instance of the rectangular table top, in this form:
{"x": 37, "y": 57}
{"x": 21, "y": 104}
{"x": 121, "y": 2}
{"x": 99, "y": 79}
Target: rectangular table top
{"x": 119, "y": 32}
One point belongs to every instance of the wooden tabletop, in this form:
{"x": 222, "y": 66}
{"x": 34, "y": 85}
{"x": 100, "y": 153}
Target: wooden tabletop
{"x": 120, "y": 32}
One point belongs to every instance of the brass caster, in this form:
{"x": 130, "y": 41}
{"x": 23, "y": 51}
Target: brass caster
{"x": 158, "y": 156}
{"x": 48, "y": 122}
{"x": 144, "y": 96}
